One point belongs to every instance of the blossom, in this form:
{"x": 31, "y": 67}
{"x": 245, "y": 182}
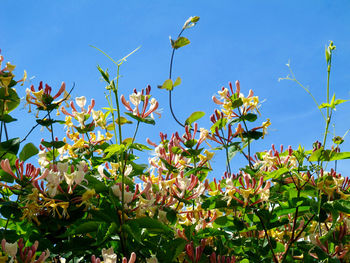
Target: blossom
{"x": 109, "y": 256}
{"x": 229, "y": 101}
{"x": 10, "y": 249}
{"x": 82, "y": 115}
{"x": 136, "y": 98}
{"x": 43, "y": 98}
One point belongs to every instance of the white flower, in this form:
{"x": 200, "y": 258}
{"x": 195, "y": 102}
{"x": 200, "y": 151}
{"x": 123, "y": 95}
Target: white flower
{"x": 128, "y": 196}
{"x": 62, "y": 167}
{"x": 109, "y": 256}
{"x": 10, "y": 249}
{"x": 135, "y": 98}
{"x": 153, "y": 259}
{"x": 80, "y": 101}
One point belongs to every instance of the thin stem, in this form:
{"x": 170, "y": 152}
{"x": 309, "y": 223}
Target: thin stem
{"x": 267, "y": 236}
{"x": 246, "y": 127}
{"x": 1, "y": 130}
{"x": 301, "y": 85}
{"x": 110, "y": 103}
{"x": 6, "y": 134}
{"x": 137, "y": 127}
{"x": 115, "y": 90}
{"x": 170, "y": 74}
{"x": 228, "y": 167}
{"x": 52, "y": 138}
{"x": 293, "y": 229}
{"x": 329, "y": 112}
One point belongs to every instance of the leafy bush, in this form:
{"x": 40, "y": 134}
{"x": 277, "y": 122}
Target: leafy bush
{"x": 89, "y": 198}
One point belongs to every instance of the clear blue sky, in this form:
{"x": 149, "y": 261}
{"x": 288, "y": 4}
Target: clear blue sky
{"x": 246, "y": 40}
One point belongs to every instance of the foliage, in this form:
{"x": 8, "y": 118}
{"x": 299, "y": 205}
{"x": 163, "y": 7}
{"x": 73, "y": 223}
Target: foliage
{"x": 89, "y": 197}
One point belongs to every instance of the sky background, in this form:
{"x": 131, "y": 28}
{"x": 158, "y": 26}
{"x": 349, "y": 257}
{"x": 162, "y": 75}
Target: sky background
{"x": 250, "y": 41}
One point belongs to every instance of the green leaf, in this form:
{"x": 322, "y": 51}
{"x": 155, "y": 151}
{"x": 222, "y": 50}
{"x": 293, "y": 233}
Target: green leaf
{"x": 139, "y": 146}
{"x": 340, "y": 156}
{"x": 223, "y": 221}
{"x": 5, "y": 177}
{"x": 194, "y": 116}
{"x": 219, "y": 124}
{"x": 337, "y": 102}
{"x": 147, "y": 120}
{"x": 7, "y": 118}
{"x": 177, "y": 82}
{"x": 328, "y": 55}
{"x": 332, "y": 101}
{"x": 87, "y": 227}
{"x": 121, "y": 121}
{"x": 338, "y": 205}
{"x": 233, "y": 150}
{"x": 277, "y": 173}
{"x": 214, "y": 202}
{"x": 236, "y": 102}
{"x": 249, "y": 117}
{"x": 28, "y": 151}
{"x": 54, "y": 144}
{"x": 168, "y": 85}
{"x": 46, "y": 122}
{"x": 114, "y": 149}
{"x": 324, "y": 105}
{"x": 10, "y": 146}
{"x": 12, "y": 100}
{"x": 10, "y": 210}
{"x": 252, "y": 135}
{"x": 104, "y": 74}
{"x": 180, "y": 42}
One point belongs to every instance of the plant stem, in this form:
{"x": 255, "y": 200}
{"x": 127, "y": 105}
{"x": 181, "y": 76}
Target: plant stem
{"x": 170, "y": 74}
{"x": 246, "y": 127}
{"x": 267, "y": 236}
{"x": 329, "y": 112}
{"x": 115, "y": 90}
{"x": 52, "y": 138}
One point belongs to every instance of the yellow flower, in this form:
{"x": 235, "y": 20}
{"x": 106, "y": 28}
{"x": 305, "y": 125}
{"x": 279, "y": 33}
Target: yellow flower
{"x": 265, "y": 124}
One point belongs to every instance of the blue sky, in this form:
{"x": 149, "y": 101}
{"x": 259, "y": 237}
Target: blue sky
{"x": 246, "y": 40}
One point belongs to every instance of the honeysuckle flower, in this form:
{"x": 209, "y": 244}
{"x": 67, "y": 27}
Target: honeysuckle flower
{"x": 136, "y": 98}
{"x": 85, "y": 199}
{"x": 109, "y": 256}
{"x": 117, "y": 191}
{"x": 43, "y": 98}
{"x": 30, "y": 173}
{"x": 82, "y": 115}
{"x": 99, "y": 118}
{"x": 27, "y": 254}
{"x": 152, "y": 259}
{"x": 7, "y": 76}
{"x": 10, "y": 249}
{"x": 274, "y": 160}
{"x": 250, "y": 188}
{"x": 225, "y": 100}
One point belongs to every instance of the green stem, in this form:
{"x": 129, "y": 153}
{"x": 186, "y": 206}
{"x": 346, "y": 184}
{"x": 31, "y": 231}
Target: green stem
{"x": 228, "y": 167}
{"x": 110, "y": 103}
{"x": 301, "y": 85}
{"x": 267, "y": 236}
{"x": 246, "y": 128}
{"x": 329, "y": 112}
{"x": 137, "y": 127}
{"x": 170, "y": 74}
{"x": 52, "y": 138}
{"x": 115, "y": 90}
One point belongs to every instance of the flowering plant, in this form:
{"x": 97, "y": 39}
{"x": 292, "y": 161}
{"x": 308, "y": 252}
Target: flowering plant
{"x": 89, "y": 198}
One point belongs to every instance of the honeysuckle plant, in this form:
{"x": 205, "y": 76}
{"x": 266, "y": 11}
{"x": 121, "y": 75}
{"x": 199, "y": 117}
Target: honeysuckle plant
{"x": 88, "y": 198}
